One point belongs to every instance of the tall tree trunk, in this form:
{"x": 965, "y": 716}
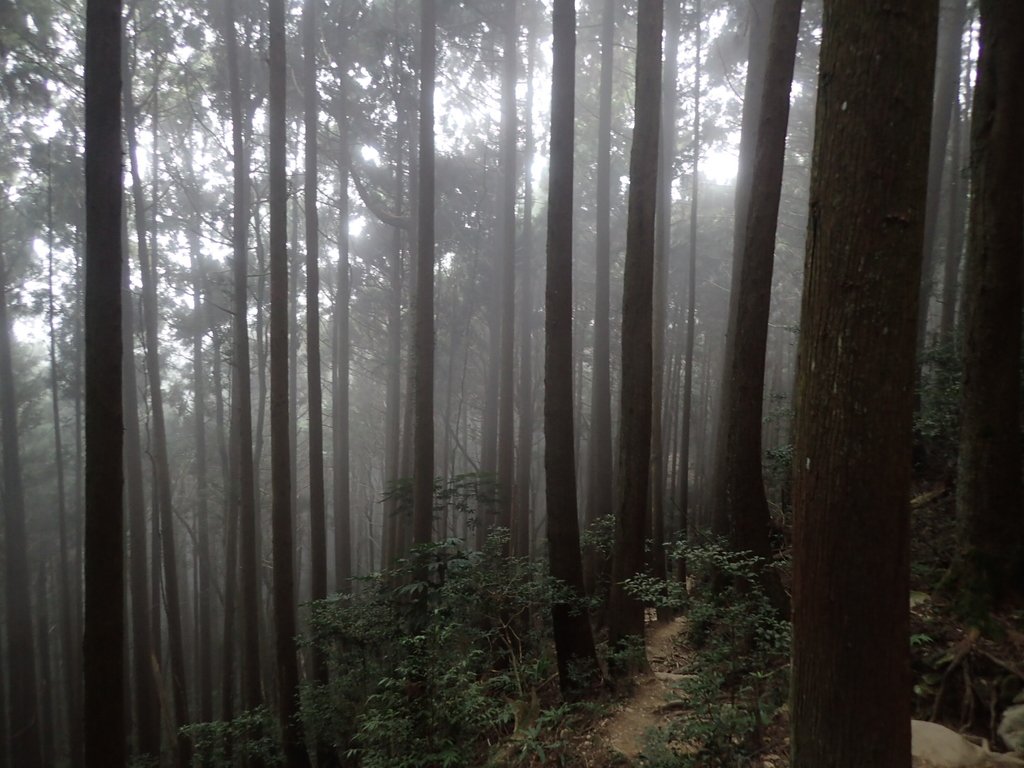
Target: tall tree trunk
{"x": 952, "y": 15}
{"x": 146, "y": 713}
{"x": 104, "y": 648}
{"x": 281, "y": 474}
{"x": 662, "y": 249}
{"x": 521, "y": 524}
{"x": 150, "y": 312}
{"x": 241, "y": 401}
{"x": 739, "y": 494}
{"x": 625, "y": 612}
{"x": 955, "y": 232}
{"x": 69, "y": 665}
{"x": 205, "y": 570}
{"x": 688, "y": 519}
{"x": 5, "y": 758}
{"x": 990, "y": 564}
{"x": 760, "y": 30}
{"x": 855, "y": 390}
{"x": 578, "y": 673}
{"x": 45, "y": 676}
{"x": 24, "y": 720}
{"x": 600, "y": 493}
{"x": 423, "y": 430}
{"x": 340, "y": 392}
{"x": 507, "y": 233}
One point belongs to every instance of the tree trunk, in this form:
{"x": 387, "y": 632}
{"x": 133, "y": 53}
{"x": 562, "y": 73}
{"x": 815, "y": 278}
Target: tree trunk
{"x": 600, "y": 493}
{"x": 578, "y": 673}
{"x": 739, "y": 494}
{"x": 244, "y": 490}
{"x": 150, "y": 313}
{"x": 507, "y": 234}
{"x": 24, "y": 722}
{"x": 68, "y": 629}
{"x": 340, "y": 393}
{"x": 281, "y": 471}
{"x": 104, "y": 648}
{"x": 662, "y": 249}
{"x": 955, "y": 233}
{"x": 423, "y": 430}
{"x": 626, "y": 613}
{"x": 855, "y": 390}
{"x": 521, "y": 524}
{"x": 989, "y": 568}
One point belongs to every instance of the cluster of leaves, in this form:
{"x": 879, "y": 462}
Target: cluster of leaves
{"x": 252, "y": 737}
{"x": 937, "y": 423}
{"x": 740, "y": 676}
{"x": 434, "y": 671}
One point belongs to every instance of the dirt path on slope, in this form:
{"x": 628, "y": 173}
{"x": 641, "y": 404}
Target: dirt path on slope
{"x": 624, "y": 732}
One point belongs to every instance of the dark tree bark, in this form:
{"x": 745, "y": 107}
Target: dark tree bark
{"x": 5, "y": 761}
{"x": 578, "y": 673}
{"x": 281, "y": 475}
{"x": 507, "y": 234}
{"x": 739, "y": 481}
{"x": 855, "y": 382}
{"x": 989, "y": 568}
{"x": 104, "y": 649}
{"x": 161, "y": 462}
{"x": 423, "y": 429}
{"x": 955, "y": 232}
{"x": 244, "y": 488}
{"x": 626, "y": 613}
{"x": 45, "y": 675}
{"x": 600, "y": 496}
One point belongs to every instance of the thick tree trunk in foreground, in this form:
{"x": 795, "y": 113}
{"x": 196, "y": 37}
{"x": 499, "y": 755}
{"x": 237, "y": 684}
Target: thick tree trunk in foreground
{"x": 626, "y": 613}
{"x": 855, "y": 378}
{"x": 990, "y": 564}
{"x": 104, "y": 648}
{"x": 578, "y": 673}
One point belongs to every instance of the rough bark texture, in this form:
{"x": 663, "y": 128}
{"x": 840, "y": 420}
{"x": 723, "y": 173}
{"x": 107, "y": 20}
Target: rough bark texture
{"x": 280, "y": 465}
{"x": 739, "y": 488}
{"x": 574, "y": 642}
{"x": 626, "y": 613}
{"x": 855, "y": 374}
{"x": 990, "y": 564}
{"x": 423, "y": 430}
{"x": 104, "y": 649}
{"x": 600, "y": 494}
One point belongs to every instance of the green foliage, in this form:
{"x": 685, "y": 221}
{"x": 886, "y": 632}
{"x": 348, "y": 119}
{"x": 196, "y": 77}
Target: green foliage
{"x": 252, "y": 736}
{"x": 459, "y": 495}
{"x": 433, "y": 672}
{"x": 739, "y": 679}
{"x": 937, "y": 423}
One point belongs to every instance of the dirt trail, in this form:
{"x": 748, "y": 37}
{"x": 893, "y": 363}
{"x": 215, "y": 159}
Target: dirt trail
{"x": 624, "y": 731}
